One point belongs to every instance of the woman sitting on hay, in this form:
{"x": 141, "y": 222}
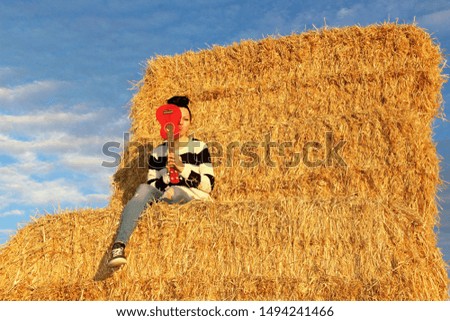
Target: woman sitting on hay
{"x": 194, "y": 169}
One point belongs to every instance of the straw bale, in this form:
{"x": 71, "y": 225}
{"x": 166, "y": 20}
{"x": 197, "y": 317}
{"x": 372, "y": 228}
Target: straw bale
{"x": 291, "y": 226}
{"x": 262, "y": 250}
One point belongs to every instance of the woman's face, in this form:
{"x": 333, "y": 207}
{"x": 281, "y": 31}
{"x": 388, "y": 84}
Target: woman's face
{"x": 185, "y": 122}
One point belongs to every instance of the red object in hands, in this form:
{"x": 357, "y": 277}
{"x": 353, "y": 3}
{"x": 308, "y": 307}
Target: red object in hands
{"x": 169, "y": 117}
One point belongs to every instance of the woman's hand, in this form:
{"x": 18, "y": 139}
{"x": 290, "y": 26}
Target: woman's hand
{"x": 178, "y": 165}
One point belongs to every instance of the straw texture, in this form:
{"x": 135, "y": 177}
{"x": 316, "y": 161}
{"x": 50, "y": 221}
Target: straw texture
{"x": 326, "y": 179}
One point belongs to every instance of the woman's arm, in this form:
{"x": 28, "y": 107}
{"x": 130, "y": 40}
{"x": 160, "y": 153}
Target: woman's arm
{"x": 204, "y": 178}
{"x": 157, "y": 173}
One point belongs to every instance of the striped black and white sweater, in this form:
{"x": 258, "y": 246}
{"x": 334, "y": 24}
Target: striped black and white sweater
{"x": 197, "y": 178}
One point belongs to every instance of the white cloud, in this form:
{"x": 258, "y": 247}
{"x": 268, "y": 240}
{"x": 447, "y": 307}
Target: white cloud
{"x": 9, "y": 122}
{"x": 70, "y": 179}
{"x": 12, "y": 213}
{"x": 55, "y": 191}
{"x": 437, "y": 21}
{"x": 19, "y": 188}
{"x": 8, "y": 73}
{"x": 29, "y": 92}
{"x": 97, "y": 198}
{"x": 7, "y": 232}
{"x": 57, "y": 143}
{"x": 29, "y": 164}
{"x": 79, "y": 120}
{"x": 82, "y": 163}
{"x": 57, "y": 158}
{"x": 345, "y": 13}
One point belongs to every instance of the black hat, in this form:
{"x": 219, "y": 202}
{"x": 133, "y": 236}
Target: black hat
{"x": 180, "y": 101}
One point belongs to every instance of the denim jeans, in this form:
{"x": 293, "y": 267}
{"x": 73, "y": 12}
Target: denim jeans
{"x": 144, "y": 195}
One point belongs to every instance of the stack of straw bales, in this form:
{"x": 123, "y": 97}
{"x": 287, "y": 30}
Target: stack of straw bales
{"x": 326, "y": 178}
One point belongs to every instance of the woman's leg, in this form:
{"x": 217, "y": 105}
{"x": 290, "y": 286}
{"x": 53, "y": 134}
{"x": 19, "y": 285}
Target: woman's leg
{"x": 179, "y": 195}
{"x": 133, "y": 210}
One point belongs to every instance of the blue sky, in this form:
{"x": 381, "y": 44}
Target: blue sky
{"x": 66, "y": 69}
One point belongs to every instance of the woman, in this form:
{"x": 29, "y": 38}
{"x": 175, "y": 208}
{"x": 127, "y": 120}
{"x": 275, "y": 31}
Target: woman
{"x": 196, "y": 179}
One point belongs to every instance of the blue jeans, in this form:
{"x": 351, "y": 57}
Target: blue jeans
{"x": 132, "y": 211}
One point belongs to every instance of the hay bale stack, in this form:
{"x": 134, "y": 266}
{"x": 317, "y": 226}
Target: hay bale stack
{"x": 285, "y": 224}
